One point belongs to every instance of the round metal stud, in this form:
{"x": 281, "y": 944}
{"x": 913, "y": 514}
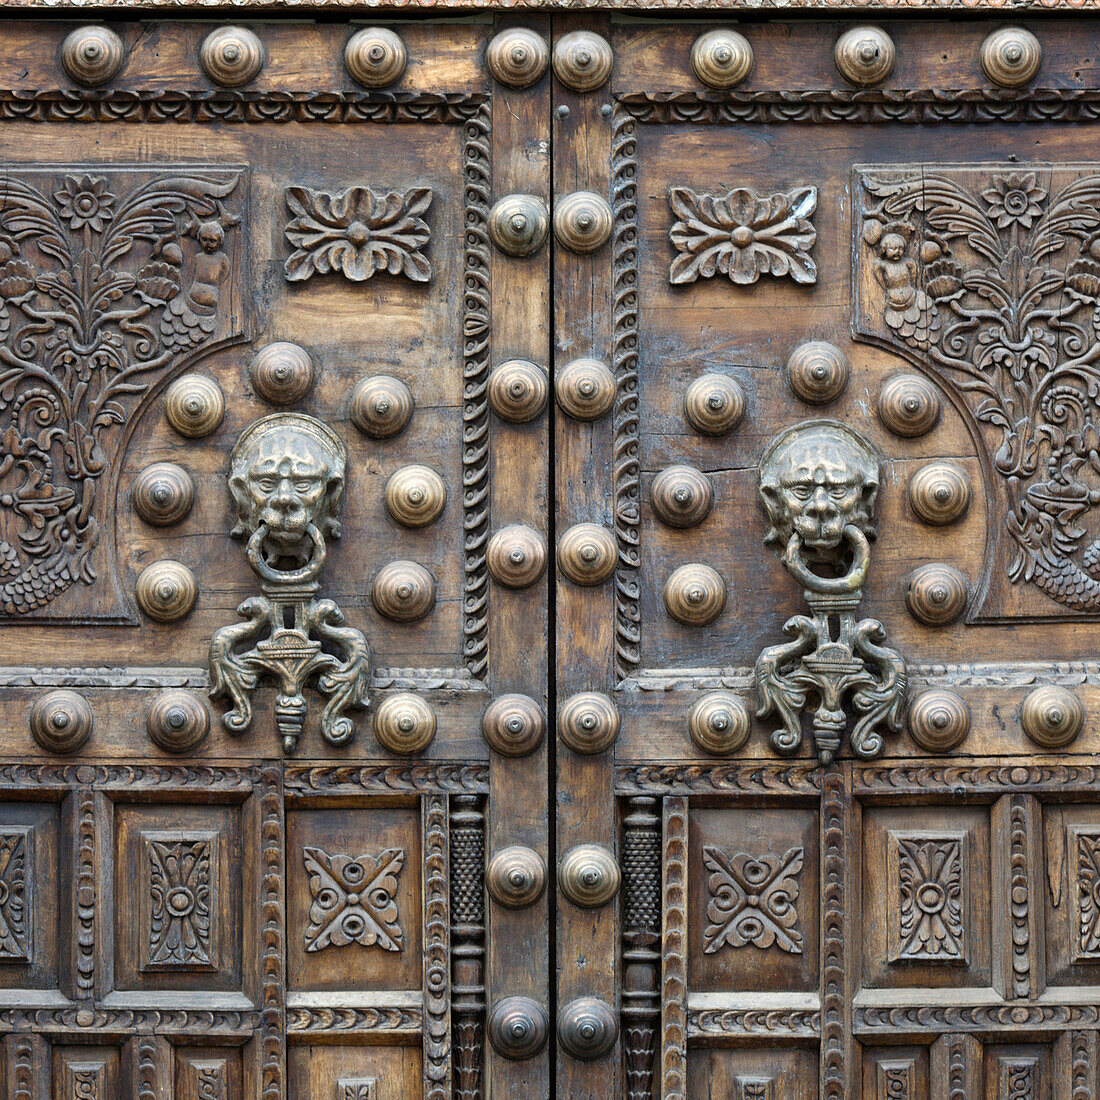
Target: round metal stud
{"x": 516, "y": 556}
{"x": 92, "y": 55}
{"x": 516, "y": 877}
{"x": 518, "y": 1028}
{"x": 714, "y": 404}
{"x": 517, "y": 57}
{"x": 817, "y": 372}
{"x": 587, "y": 553}
{"x": 695, "y": 594}
{"x": 1052, "y": 716}
{"x": 415, "y": 496}
{"x": 939, "y": 720}
{"x": 588, "y": 722}
{"x": 721, "y": 58}
{"x": 583, "y": 221}
{"x": 163, "y": 494}
{"x": 936, "y": 594}
{"x": 519, "y": 224}
{"x": 939, "y": 493}
{"x": 231, "y": 56}
{"x": 194, "y": 405}
{"x": 375, "y": 57}
{"x": 514, "y": 725}
{"x": 1011, "y": 57}
{"x": 865, "y": 55}
{"x": 281, "y": 373}
{"x": 403, "y": 591}
{"x": 588, "y": 1028}
{"x": 909, "y": 405}
{"x": 177, "y": 721}
{"x": 719, "y": 723}
{"x": 166, "y": 591}
{"x": 682, "y": 496}
{"x": 518, "y": 390}
{"x": 585, "y": 389}
{"x": 381, "y": 406}
{"x": 589, "y": 876}
{"x": 582, "y": 60}
{"x": 61, "y": 721}
{"x": 404, "y": 723}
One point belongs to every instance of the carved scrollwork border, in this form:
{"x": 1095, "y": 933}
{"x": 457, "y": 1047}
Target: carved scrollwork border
{"x": 1013, "y": 1019}
{"x": 307, "y": 1022}
{"x": 741, "y": 1023}
{"x": 801, "y": 779}
{"x": 914, "y": 107}
{"x": 303, "y": 780}
{"x": 627, "y": 485}
{"x": 224, "y": 106}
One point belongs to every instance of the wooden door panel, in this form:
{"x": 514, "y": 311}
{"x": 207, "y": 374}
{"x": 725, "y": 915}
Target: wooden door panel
{"x": 252, "y": 467}
{"x": 874, "y": 865}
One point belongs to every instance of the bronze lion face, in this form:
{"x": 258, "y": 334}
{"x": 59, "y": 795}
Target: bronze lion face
{"x": 815, "y": 480}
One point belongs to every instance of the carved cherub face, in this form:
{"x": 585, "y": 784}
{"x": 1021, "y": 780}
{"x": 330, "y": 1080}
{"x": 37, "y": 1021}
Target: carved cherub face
{"x": 211, "y": 236}
{"x": 287, "y": 472}
{"x": 893, "y": 246}
{"x": 815, "y": 480}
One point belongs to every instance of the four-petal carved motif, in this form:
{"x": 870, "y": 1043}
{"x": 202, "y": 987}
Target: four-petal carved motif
{"x": 752, "y": 900}
{"x": 930, "y": 904}
{"x": 353, "y": 899}
{"x": 182, "y": 887}
{"x": 358, "y": 231}
{"x": 743, "y": 235}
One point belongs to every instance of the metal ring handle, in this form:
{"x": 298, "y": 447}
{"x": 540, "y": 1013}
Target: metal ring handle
{"x": 306, "y": 573}
{"x": 852, "y": 581}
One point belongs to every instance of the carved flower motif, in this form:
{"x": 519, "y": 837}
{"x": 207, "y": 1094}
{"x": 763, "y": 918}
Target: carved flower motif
{"x": 743, "y": 235}
{"x": 944, "y": 279}
{"x": 358, "y": 232}
{"x": 1015, "y": 198}
{"x": 157, "y": 283}
{"x": 16, "y": 279}
{"x": 1083, "y": 276}
{"x": 86, "y": 202}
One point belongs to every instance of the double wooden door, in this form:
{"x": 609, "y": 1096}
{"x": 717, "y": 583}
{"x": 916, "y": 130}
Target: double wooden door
{"x": 549, "y": 557}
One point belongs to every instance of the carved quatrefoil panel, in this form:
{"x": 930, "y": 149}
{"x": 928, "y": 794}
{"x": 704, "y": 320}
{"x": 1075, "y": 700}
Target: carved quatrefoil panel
{"x": 353, "y": 899}
{"x": 752, "y": 900}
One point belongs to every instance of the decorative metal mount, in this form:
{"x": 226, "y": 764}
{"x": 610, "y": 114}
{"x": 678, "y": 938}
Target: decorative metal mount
{"x": 286, "y": 476}
{"x": 818, "y": 484}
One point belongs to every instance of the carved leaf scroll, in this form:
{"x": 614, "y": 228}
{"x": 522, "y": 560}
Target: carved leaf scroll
{"x": 752, "y": 900}
{"x": 742, "y": 235}
{"x": 930, "y": 898}
{"x": 991, "y": 276}
{"x": 108, "y": 279}
{"x": 356, "y": 232}
{"x": 1088, "y": 895}
{"x": 182, "y": 888}
{"x": 15, "y": 902}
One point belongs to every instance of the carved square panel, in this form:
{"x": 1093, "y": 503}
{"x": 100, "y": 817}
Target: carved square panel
{"x": 1071, "y": 887}
{"x": 86, "y": 1072}
{"x": 752, "y": 1074}
{"x": 895, "y": 1073}
{"x": 926, "y": 896}
{"x": 353, "y": 899}
{"x": 207, "y": 1074}
{"x": 753, "y": 909}
{"x": 178, "y": 896}
{"x": 334, "y": 1072}
{"x": 1018, "y": 1072}
{"x": 30, "y": 888}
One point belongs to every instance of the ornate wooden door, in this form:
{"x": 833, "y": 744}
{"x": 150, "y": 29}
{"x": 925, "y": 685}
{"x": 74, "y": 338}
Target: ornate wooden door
{"x": 828, "y": 560}
{"x": 274, "y": 431}
{"x": 317, "y": 339}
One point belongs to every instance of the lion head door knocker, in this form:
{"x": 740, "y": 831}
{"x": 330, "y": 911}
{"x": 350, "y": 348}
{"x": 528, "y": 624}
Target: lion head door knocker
{"x": 818, "y": 485}
{"x": 286, "y": 476}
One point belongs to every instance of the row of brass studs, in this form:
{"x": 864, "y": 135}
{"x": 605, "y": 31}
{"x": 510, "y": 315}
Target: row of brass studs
{"x": 62, "y": 722}
{"x": 1010, "y": 57}
{"x": 519, "y": 224}
{"x": 376, "y": 57}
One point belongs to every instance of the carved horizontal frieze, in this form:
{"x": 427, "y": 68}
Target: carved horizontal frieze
{"x": 790, "y": 779}
{"x": 1017, "y": 1019}
{"x": 982, "y": 779}
{"x": 302, "y": 780}
{"x": 770, "y": 1023}
{"x": 229, "y": 781}
{"x": 311, "y": 1021}
{"x": 103, "y": 1021}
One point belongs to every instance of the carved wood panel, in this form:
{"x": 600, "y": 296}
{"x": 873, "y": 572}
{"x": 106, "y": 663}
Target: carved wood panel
{"x": 839, "y": 672}
{"x": 273, "y": 429}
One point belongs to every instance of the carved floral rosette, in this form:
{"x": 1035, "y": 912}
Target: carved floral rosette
{"x": 988, "y": 277}
{"x": 111, "y": 280}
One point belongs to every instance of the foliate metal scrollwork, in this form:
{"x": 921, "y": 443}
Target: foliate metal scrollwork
{"x": 818, "y": 483}
{"x": 286, "y": 477}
